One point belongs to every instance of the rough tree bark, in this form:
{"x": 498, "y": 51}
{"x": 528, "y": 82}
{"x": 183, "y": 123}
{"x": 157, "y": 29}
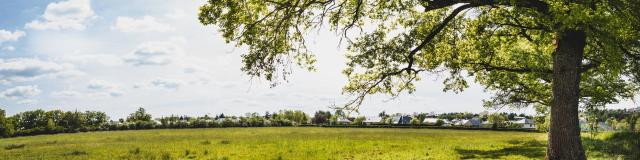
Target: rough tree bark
{"x": 564, "y": 134}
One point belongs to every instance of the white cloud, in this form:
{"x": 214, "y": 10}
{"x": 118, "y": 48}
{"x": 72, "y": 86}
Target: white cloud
{"x": 9, "y": 48}
{"x": 144, "y": 24}
{"x": 71, "y": 14}
{"x": 190, "y": 70}
{"x": 237, "y": 100}
{"x": 176, "y": 14}
{"x": 105, "y": 94}
{"x": 168, "y": 84}
{"x": 157, "y": 53}
{"x": 26, "y": 69}
{"x": 101, "y": 85}
{"x": 66, "y": 94}
{"x": 229, "y": 86}
{"x": 91, "y": 59}
{"x": 115, "y": 93}
{"x": 27, "y": 101}
{"x": 102, "y": 88}
{"x": 8, "y": 36}
{"x": 270, "y": 94}
{"x": 171, "y": 84}
{"x": 20, "y": 92}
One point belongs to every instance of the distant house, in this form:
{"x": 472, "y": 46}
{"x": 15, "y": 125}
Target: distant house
{"x": 401, "y": 119}
{"x": 114, "y": 123}
{"x": 474, "y": 122}
{"x": 373, "y": 120}
{"x": 525, "y": 122}
{"x": 221, "y": 120}
{"x": 446, "y": 122}
{"x": 342, "y": 120}
{"x": 456, "y": 122}
{"x": 430, "y": 121}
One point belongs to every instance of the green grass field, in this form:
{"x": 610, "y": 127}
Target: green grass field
{"x": 280, "y": 143}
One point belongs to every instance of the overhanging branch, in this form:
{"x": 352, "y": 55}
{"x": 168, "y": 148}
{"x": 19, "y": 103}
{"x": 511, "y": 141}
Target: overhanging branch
{"x": 534, "y": 4}
{"x": 489, "y": 67}
{"x": 432, "y": 34}
{"x": 410, "y": 59}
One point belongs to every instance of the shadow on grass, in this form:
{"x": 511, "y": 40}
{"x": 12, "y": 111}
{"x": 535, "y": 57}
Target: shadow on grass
{"x": 14, "y": 146}
{"x": 624, "y": 145}
{"x": 531, "y": 149}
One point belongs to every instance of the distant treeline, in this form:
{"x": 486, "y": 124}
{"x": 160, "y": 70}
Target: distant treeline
{"x": 56, "y": 121}
{"x": 617, "y": 119}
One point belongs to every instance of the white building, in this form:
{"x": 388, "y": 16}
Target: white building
{"x": 456, "y": 122}
{"x": 373, "y": 120}
{"x": 525, "y": 122}
{"x": 343, "y": 121}
{"x": 474, "y": 122}
{"x": 430, "y": 121}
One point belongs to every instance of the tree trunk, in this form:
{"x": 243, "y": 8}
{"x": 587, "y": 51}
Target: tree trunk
{"x": 564, "y": 132}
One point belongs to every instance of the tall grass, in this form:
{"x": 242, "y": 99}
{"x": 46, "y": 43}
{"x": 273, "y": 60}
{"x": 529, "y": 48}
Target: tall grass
{"x": 281, "y": 143}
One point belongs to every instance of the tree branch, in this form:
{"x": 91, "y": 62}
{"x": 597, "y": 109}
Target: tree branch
{"x": 489, "y": 67}
{"x": 534, "y": 4}
{"x": 435, "y": 32}
{"x": 411, "y": 60}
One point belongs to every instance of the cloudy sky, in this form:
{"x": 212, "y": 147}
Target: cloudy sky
{"x": 117, "y": 55}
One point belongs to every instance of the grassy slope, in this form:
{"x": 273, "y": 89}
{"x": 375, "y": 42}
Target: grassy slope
{"x": 279, "y": 143}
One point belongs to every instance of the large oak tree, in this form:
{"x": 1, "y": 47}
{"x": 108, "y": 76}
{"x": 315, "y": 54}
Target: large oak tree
{"x": 558, "y": 53}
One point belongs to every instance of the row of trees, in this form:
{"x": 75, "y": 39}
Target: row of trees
{"x": 621, "y": 120}
{"x": 48, "y": 122}
{"x": 497, "y": 120}
{"x": 57, "y": 121}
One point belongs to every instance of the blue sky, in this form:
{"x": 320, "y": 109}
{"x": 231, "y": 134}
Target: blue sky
{"x": 117, "y": 55}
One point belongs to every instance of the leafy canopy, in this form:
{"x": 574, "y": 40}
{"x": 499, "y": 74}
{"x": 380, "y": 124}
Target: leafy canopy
{"x": 139, "y": 115}
{"x": 506, "y": 45}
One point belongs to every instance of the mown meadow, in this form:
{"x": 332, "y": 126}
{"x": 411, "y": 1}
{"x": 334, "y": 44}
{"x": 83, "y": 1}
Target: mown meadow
{"x": 289, "y": 143}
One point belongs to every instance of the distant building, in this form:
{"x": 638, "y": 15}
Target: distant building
{"x": 431, "y": 121}
{"x": 401, "y": 119}
{"x": 456, "y": 122}
{"x": 524, "y": 122}
{"x": 342, "y": 120}
{"x": 446, "y": 122}
{"x": 474, "y": 122}
{"x": 373, "y": 120}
